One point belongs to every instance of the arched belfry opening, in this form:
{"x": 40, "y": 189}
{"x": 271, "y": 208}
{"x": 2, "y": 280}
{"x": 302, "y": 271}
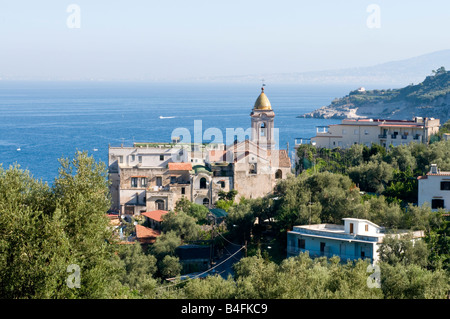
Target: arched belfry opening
{"x": 262, "y": 130}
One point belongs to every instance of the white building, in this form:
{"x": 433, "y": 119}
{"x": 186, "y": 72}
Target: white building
{"x": 446, "y": 136}
{"x": 434, "y": 189}
{"x": 357, "y": 238}
{"x": 375, "y": 131}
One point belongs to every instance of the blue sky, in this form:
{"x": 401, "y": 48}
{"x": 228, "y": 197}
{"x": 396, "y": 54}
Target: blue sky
{"x": 174, "y": 39}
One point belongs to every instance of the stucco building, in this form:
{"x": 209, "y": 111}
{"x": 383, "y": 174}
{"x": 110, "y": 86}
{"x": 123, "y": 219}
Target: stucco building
{"x": 375, "y": 131}
{"x": 434, "y": 189}
{"x": 356, "y": 239}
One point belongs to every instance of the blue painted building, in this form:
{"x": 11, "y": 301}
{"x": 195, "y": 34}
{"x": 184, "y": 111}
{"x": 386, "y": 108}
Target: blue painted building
{"x": 356, "y": 239}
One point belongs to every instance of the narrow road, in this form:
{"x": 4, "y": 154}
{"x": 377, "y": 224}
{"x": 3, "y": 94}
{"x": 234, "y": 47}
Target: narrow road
{"x": 225, "y": 263}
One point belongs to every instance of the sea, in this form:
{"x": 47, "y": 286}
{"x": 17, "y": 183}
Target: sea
{"x": 41, "y": 122}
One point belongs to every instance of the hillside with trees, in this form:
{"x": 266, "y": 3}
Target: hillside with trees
{"x": 430, "y": 98}
{"x": 45, "y": 230}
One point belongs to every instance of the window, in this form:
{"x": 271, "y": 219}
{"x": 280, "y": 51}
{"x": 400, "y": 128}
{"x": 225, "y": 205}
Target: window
{"x": 133, "y": 158}
{"x": 173, "y": 179}
{"x": 158, "y": 181}
{"x": 366, "y": 132}
{"x": 140, "y": 159}
{"x": 202, "y": 183}
{"x": 437, "y": 203}
{"x": 351, "y": 228}
{"x": 183, "y": 190}
{"x": 205, "y": 201}
{"x": 121, "y": 159}
{"x": 322, "y": 247}
{"x": 278, "y": 174}
{"x": 161, "y": 157}
{"x": 222, "y": 184}
{"x": 301, "y": 243}
{"x": 134, "y": 182}
{"x": 252, "y": 169}
{"x": 159, "y": 204}
{"x": 366, "y": 227}
{"x": 143, "y": 182}
{"x": 445, "y": 186}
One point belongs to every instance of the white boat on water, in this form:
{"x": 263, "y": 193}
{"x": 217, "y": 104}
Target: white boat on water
{"x": 19, "y": 149}
{"x": 166, "y": 117}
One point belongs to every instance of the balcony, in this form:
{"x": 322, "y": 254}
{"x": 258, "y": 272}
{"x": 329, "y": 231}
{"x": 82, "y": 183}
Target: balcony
{"x": 302, "y": 141}
{"x": 152, "y": 189}
{"x": 382, "y": 136}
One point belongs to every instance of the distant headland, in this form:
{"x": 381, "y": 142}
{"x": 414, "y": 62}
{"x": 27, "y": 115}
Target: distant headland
{"x": 430, "y": 98}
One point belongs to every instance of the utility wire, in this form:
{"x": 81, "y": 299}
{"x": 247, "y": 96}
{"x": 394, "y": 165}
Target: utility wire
{"x": 228, "y": 240}
{"x": 196, "y": 276}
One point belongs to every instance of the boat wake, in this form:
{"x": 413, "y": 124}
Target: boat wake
{"x": 167, "y": 117}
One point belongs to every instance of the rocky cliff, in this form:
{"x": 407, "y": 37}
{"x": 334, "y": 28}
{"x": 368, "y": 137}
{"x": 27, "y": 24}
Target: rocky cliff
{"x": 430, "y": 98}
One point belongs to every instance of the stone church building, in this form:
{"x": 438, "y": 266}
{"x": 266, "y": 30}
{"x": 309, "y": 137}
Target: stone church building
{"x": 154, "y": 176}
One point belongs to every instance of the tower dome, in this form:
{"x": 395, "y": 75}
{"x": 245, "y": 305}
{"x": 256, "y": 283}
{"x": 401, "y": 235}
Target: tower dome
{"x": 262, "y": 102}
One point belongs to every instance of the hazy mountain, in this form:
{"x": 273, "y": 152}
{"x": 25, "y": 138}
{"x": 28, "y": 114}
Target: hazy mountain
{"x": 398, "y": 73}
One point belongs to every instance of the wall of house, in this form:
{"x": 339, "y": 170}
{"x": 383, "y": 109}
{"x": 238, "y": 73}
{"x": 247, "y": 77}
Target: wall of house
{"x": 132, "y": 201}
{"x": 430, "y": 187}
{"x": 252, "y": 186}
{"x": 345, "y": 135}
{"x": 166, "y": 196}
{"x": 344, "y": 249}
{"x": 359, "y": 227}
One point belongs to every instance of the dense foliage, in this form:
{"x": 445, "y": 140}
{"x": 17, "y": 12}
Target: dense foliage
{"x": 44, "y": 230}
{"x": 392, "y": 173}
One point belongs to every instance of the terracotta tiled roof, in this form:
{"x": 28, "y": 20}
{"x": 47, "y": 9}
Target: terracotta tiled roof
{"x": 180, "y": 166}
{"x": 143, "y": 232}
{"x": 283, "y": 158}
{"x": 156, "y": 215}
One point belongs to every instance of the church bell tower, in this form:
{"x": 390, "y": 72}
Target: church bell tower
{"x": 262, "y": 117}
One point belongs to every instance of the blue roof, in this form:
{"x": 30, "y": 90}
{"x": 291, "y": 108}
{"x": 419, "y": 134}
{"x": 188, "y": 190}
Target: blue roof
{"x": 218, "y": 212}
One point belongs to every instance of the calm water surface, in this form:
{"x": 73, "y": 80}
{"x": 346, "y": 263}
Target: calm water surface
{"x": 48, "y": 120}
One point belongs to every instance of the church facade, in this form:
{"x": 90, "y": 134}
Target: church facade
{"x": 155, "y": 176}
